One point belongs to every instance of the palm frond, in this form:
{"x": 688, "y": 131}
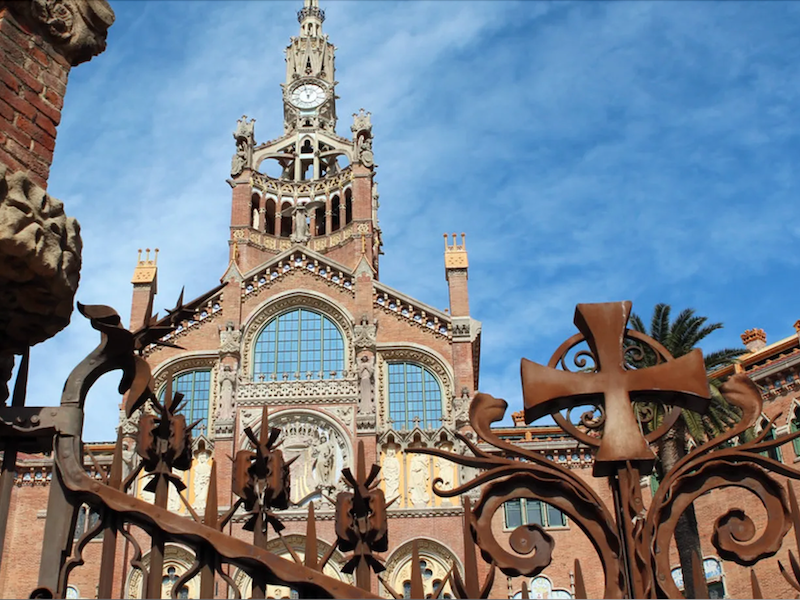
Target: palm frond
{"x": 723, "y": 357}
{"x": 659, "y": 325}
{"x": 635, "y": 323}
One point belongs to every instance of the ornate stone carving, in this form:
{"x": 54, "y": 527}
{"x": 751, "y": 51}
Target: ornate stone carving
{"x": 391, "y": 473}
{"x": 245, "y": 140}
{"x": 314, "y": 390}
{"x": 364, "y": 154}
{"x": 366, "y": 385}
{"x": 362, "y": 122}
{"x": 461, "y": 408}
{"x": 321, "y": 448}
{"x": 229, "y": 340}
{"x": 76, "y": 28}
{"x": 419, "y": 477}
{"x": 40, "y": 262}
{"x": 344, "y": 413}
{"x": 447, "y": 473}
{"x": 227, "y": 392}
{"x": 201, "y": 477}
{"x": 365, "y": 334}
{"x": 461, "y": 328}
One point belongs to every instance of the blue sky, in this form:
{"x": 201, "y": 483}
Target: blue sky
{"x": 591, "y": 152}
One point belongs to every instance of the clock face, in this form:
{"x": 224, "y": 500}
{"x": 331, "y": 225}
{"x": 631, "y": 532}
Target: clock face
{"x": 308, "y": 95}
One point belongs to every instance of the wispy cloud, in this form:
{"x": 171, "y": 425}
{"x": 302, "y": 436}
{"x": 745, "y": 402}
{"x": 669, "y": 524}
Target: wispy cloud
{"x": 591, "y": 151}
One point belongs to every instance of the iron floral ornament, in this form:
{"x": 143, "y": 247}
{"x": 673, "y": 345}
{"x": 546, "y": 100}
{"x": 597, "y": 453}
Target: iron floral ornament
{"x": 631, "y": 540}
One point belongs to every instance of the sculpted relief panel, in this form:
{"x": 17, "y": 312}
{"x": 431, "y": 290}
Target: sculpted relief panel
{"x": 322, "y": 451}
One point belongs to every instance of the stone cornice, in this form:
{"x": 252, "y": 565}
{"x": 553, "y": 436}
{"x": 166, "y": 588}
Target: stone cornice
{"x": 77, "y": 29}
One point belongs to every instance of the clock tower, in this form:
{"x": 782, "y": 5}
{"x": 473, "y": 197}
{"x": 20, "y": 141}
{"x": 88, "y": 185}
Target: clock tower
{"x": 310, "y": 186}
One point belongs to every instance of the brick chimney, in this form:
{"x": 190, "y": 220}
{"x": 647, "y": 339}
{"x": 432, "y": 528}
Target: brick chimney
{"x": 145, "y": 287}
{"x": 754, "y": 339}
{"x": 40, "y": 42}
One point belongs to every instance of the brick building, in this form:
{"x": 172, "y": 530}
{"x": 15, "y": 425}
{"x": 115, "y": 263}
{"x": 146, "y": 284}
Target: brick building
{"x": 302, "y": 324}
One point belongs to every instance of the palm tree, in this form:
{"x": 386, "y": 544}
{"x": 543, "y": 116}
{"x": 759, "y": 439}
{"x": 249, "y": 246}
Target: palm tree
{"x": 680, "y": 337}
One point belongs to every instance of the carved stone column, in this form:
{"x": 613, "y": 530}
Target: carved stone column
{"x": 365, "y": 335}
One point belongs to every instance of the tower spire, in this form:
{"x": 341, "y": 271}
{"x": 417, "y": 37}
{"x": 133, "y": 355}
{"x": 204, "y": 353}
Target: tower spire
{"x": 310, "y": 18}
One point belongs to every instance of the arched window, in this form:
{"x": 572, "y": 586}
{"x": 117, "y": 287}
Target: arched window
{"x": 299, "y": 342}
{"x": 415, "y": 397}
{"x": 715, "y": 581}
{"x": 319, "y": 220}
{"x": 269, "y": 216}
{"x": 195, "y": 387}
{"x": 286, "y": 220}
{"x": 335, "y": 210}
{"x": 774, "y": 453}
{"x": 348, "y": 205}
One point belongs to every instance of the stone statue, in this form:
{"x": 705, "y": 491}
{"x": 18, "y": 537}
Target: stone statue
{"x": 245, "y": 141}
{"x": 366, "y": 400}
{"x": 227, "y": 381}
{"x": 300, "y": 213}
{"x": 447, "y": 474}
{"x": 128, "y": 457}
{"x": 255, "y": 218}
{"x": 365, "y": 333}
{"x": 202, "y": 477}
{"x": 326, "y": 464}
{"x": 365, "y": 155}
{"x": 391, "y": 473}
{"x": 418, "y": 480}
{"x": 174, "y": 503}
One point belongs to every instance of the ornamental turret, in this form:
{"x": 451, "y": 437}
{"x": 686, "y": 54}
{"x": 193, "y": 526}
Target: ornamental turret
{"x": 309, "y": 186}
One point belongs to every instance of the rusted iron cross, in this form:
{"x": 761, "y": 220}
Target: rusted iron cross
{"x": 680, "y": 382}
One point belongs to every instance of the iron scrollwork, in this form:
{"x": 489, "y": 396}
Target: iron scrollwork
{"x": 631, "y": 541}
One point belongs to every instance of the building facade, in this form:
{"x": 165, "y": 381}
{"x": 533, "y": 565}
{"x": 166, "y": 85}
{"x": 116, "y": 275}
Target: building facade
{"x": 302, "y": 325}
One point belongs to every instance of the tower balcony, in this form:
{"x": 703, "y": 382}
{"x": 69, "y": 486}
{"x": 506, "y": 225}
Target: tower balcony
{"x": 285, "y": 212}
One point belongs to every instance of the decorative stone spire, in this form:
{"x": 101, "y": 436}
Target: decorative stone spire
{"x": 310, "y": 18}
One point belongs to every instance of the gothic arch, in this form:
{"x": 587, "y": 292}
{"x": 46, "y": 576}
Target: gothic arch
{"x": 176, "y": 556}
{"x": 400, "y": 559}
{"x": 276, "y": 305}
{"x": 297, "y": 543}
{"x": 417, "y": 354}
{"x": 306, "y": 433}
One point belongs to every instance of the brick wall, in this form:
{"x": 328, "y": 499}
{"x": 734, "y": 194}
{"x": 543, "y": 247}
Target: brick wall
{"x": 34, "y": 80}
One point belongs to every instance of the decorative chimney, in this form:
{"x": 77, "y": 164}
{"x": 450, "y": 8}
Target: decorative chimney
{"x": 754, "y": 339}
{"x": 519, "y": 418}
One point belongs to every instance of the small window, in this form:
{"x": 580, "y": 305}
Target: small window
{"x": 525, "y": 511}
{"x": 195, "y": 387}
{"x": 87, "y": 518}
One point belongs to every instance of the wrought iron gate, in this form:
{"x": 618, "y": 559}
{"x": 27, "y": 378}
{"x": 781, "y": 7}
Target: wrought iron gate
{"x": 631, "y": 540}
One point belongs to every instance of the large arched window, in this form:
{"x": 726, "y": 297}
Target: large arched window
{"x": 299, "y": 342}
{"x": 415, "y": 397}
{"x": 195, "y": 387}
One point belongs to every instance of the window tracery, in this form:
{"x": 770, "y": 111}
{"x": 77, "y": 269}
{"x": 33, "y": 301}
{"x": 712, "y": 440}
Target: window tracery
{"x": 298, "y": 342}
{"x": 415, "y": 396}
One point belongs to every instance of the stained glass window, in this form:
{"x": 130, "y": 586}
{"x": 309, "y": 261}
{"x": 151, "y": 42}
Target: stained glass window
{"x": 415, "y": 397}
{"x": 297, "y": 343}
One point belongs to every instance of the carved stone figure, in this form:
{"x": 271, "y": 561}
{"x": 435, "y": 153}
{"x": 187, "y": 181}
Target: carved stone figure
{"x": 229, "y": 340}
{"x": 447, "y": 473}
{"x": 326, "y": 464}
{"x": 202, "y": 477}
{"x": 227, "y": 383}
{"x": 320, "y": 448}
{"x": 128, "y": 457}
{"x": 391, "y": 473}
{"x": 300, "y": 224}
{"x": 244, "y": 146}
{"x": 461, "y": 408}
{"x": 255, "y": 218}
{"x": 418, "y": 480}
{"x": 174, "y": 503}
{"x": 365, "y": 155}
{"x": 366, "y": 400}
